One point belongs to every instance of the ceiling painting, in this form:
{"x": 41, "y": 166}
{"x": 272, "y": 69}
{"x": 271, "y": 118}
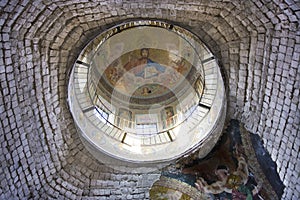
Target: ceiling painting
{"x": 145, "y": 73}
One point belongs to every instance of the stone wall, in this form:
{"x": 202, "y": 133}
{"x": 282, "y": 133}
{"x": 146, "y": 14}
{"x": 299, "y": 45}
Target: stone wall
{"x": 257, "y": 43}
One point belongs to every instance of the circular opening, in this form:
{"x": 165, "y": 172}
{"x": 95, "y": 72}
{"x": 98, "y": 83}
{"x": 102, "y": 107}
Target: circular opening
{"x": 146, "y": 91}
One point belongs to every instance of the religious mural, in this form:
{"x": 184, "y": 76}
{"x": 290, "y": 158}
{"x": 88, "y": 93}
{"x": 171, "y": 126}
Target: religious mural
{"x": 168, "y": 117}
{"x": 124, "y": 118}
{"x": 146, "y": 72}
{"x": 199, "y": 86}
{"x": 224, "y": 173}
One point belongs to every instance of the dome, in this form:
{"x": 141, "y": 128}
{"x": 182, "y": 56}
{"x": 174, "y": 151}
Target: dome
{"x": 147, "y": 91}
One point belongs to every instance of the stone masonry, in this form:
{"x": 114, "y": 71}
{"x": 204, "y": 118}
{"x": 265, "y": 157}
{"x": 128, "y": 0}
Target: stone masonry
{"x": 257, "y": 43}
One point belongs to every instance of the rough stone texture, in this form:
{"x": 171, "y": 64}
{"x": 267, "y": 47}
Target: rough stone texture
{"x": 257, "y": 43}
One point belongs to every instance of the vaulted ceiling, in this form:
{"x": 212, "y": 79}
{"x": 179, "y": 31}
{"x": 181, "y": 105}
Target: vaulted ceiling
{"x": 257, "y": 44}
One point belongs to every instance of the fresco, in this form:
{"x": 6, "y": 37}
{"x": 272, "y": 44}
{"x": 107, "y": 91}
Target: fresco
{"x": 124, "y": 118}
{"x": 162, "y": 193}
{"x": 225, "y": 173}
{"x": 146, "y": 72}
{"x": 168, "y": 117}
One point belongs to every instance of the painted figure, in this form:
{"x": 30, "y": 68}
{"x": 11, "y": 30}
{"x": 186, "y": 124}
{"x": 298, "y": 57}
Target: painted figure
{"x": 124, "y": 118}
{"x": 168, "y": 117}
{"x": 230, "y": 182}
{"x": 114, "y": 72}
{"x": 199, "y": 86}
{"x": 144, "y": 67}
{"x": 146, "y": 91}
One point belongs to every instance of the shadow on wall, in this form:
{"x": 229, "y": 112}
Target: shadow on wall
{"x": 268, "y": 166}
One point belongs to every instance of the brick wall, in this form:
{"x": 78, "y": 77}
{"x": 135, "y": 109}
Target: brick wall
{"x": 257, "y": 43}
